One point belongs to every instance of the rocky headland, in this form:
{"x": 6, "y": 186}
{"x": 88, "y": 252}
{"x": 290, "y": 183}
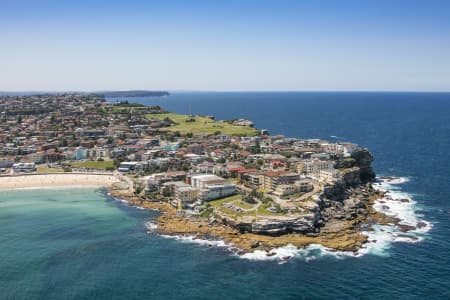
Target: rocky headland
{"x": 344, "y": 211}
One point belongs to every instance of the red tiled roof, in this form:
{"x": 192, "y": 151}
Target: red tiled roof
{"x": 273, "y": 173}
{"x": 244, "y": 153}
{"x": 236, "y": 169}
{"x": 248, "y": 171}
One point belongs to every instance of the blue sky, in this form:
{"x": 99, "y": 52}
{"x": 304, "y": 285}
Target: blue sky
{"x": 393, "y": 45}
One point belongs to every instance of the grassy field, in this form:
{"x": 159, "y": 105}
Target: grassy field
{"x": 100, "y": 165}
{"x": 203, "y": 125}
{"x": 125, "y": 109}
{"x": 262, "y": 210}
{"x": 43, "y": 169}
{"x": 243, "y": 204}
{"x": 219, "y": 202}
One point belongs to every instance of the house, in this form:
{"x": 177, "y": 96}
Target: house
{"x": 195, "y": 148}
{"x": 205, "y": 167}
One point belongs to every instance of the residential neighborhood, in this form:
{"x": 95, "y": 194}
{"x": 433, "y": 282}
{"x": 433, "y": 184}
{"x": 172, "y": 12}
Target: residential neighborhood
{"x": 215, "y": 169}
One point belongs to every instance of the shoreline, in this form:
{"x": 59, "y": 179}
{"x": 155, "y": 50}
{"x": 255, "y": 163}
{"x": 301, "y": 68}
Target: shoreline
{"x": 349, "y": 239}
{"x": 56, "y": 180}
{"x": 355, "y": 239}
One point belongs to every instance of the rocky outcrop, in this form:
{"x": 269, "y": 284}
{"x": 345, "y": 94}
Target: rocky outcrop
{"x": 354, "y": 171}
{"x": 303, "y": 224}
{"x": 363, "y": 160}
{"x": 348, "y": 198}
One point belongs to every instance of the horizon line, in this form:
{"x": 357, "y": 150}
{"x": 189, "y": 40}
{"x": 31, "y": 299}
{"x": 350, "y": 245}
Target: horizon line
{"x": 222, "y": 91}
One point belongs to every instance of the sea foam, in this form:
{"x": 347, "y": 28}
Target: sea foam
{"x": 395, "y": 203}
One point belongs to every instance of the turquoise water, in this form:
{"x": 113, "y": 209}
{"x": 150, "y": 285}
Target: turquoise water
{"x": 80, "y": 244}
{"x": 50, "y": 239}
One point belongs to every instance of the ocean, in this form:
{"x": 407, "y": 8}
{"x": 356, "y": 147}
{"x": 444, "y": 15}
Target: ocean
{"x": 82, "y": 244}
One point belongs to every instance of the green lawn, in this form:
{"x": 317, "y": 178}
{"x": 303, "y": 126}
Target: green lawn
{"x": 262, "y": 211}
{"x": 219, "y": 202}
{"x": 203, "y": 125}
{"x": 243, "y": 204}
{"x": 125, "y": 109}
{"x": 43, "y": 169}
{"x": 92, "y": 164}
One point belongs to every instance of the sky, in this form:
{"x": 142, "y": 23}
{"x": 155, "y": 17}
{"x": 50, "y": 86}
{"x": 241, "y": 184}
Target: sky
{"x": 277, "y": 45}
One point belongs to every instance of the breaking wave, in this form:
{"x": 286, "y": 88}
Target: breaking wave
{"x": 395, "y": 203}
{"x": 410, "y": 229}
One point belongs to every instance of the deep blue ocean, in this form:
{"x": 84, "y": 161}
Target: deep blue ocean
{"x": 80, "y": 244}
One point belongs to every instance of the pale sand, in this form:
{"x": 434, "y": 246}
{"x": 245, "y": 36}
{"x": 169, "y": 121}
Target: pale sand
{"x": 57, "y": 180}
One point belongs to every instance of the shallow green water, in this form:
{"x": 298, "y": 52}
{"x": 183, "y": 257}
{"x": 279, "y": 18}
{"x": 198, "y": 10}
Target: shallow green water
{"x": 49, "y": 236}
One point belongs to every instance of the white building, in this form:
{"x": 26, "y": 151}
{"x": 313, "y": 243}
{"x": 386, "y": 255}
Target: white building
{"x": 212, "y": 187}
{"x": 314, "y": 167}
{"x": 217, "y": 191}
{"x": 24, "y": 167}
{"x": 129, "y": 166}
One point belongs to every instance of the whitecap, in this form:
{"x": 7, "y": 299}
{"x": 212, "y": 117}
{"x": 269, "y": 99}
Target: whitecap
{"x": 380, "y": 238}
{"x": 308, "y": 253}
{"x": 151, "y": 226}
{"x": 196, "y": 240}
{"x": 399, "y": 205}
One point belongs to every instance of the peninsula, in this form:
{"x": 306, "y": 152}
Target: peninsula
{"x": 211, "y": 179}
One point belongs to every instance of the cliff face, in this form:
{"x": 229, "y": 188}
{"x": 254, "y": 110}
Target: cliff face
{"x": 355, "y": 171}
{"x": 347, "y": 198}
{"x": 296, "y": 224}
{"x": 363, "y": 160}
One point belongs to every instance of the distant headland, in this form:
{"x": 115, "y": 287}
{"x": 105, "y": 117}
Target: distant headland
{"x": 110, "y": 94}
{"x": 134, "y": 93}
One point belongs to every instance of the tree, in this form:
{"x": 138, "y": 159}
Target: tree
{"x": 19, "y": 119}
{"x": 64, "y": 143}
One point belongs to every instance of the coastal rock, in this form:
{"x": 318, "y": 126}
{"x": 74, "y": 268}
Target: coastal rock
{"x": 255, "y": 244}
{"x": 363, "y": 159}
{"x": 421, "y": 224}
{"x": 406, "y": 228}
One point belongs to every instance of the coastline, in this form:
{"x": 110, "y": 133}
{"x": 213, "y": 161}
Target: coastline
{"x": 357, "y": 237}
{"x": 50, "y": 180}
{"x": 351, "y": 238}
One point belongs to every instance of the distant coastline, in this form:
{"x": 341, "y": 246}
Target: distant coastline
{"x": 111, "y": 94}
{"x": 134, "y": 93}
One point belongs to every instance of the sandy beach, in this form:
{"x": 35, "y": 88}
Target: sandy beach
{"x": 56, "y": 180}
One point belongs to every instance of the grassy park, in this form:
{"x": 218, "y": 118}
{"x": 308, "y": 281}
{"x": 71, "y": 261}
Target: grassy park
{"x": 92, "y": 164}
{"x": 198, "y": 125}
